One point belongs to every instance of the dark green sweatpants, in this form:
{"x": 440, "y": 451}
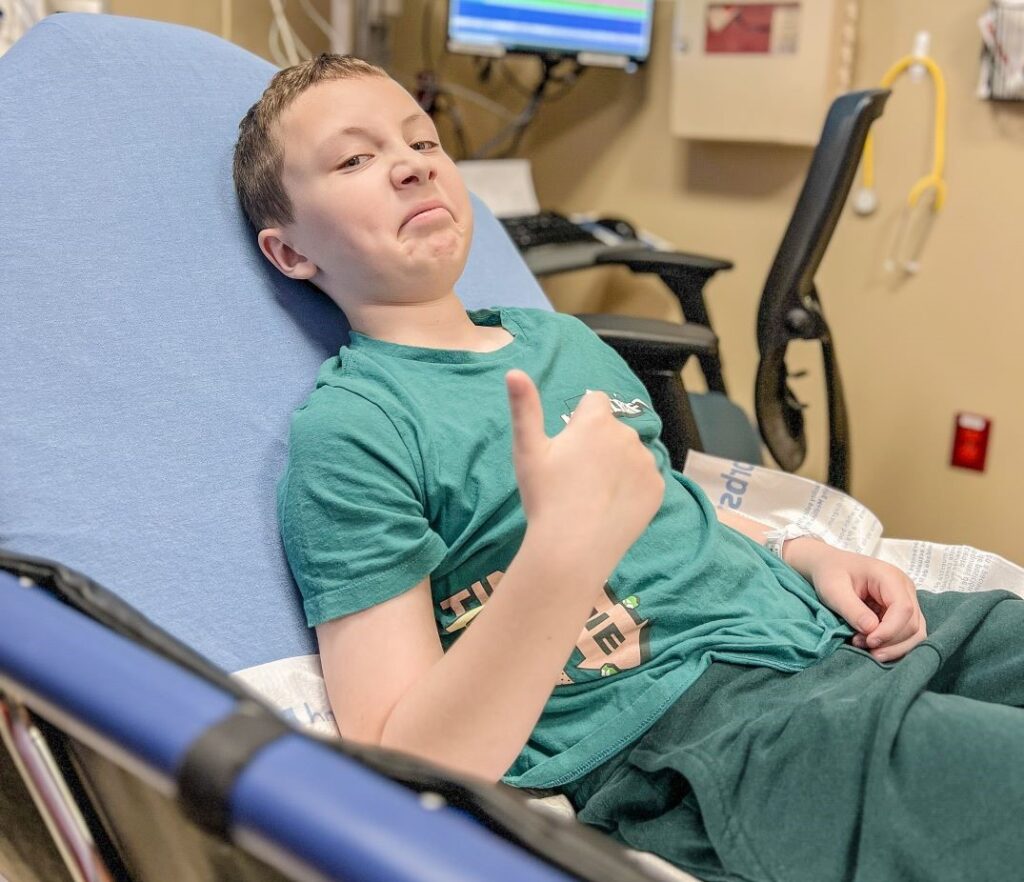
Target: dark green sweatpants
{"x": 848, "y": 770}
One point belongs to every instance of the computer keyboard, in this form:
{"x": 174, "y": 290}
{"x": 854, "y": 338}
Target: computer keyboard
{"x": 546, "y": 228}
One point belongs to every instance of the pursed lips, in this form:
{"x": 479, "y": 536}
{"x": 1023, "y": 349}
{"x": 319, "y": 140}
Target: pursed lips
{"x": 421, "y": 209}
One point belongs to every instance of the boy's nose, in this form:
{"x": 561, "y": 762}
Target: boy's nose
{"x": 413, "y": 171}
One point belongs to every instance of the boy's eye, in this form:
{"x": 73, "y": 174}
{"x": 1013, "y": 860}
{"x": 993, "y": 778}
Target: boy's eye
{"x": 352, "y": 161}
{"x": 424, "y": 145}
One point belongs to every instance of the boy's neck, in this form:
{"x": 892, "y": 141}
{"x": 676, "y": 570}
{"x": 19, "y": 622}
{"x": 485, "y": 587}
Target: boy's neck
{"x": 434, "y": 324}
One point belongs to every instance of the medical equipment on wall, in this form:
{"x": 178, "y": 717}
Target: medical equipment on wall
{"x": 912, "y": 228}
{"x": 616, "y": 34}
{"x": 757, "y": 71}
{"x": 564, "y": 46}
{"x": 1002, "y": 59}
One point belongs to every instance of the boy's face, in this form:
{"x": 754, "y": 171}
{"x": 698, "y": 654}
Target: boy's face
{"x": 381, "y": 212}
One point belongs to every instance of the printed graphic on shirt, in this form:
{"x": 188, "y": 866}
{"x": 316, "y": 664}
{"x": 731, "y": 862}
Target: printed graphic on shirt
{"x": 613, "y": 639}
{"x": 465, "y": 604}
{"x": 620, "y": 408}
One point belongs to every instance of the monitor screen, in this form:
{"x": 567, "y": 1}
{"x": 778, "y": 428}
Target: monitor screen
{"x": 595, "y": 31}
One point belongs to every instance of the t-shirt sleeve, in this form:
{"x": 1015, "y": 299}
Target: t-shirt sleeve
{"x": 350, "y": 508}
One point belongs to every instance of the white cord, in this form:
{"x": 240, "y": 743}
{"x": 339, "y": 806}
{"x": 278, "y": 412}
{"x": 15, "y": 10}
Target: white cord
{"x": 478, "y": 99}
{"x": 276, "y": 51}
{"x": 274, "y": 45}
{"x": 21, "y": 17}
{"x": 304, "y": 52}
{"x": 30, "y": 12}
{"x": 329, "y": 31}
{"x": 285, "y": 33}
{"x": 281, "y": 22}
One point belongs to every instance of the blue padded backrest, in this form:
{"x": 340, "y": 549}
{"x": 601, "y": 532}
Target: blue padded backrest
{"x": 150, "y": 356}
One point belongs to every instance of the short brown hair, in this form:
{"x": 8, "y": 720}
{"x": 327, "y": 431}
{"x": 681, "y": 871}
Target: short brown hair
{"x": 259, "y": 153}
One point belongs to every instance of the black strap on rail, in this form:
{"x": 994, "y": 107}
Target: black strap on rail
{"x": 217, "y": 757}
{"x": 576, "y": 849}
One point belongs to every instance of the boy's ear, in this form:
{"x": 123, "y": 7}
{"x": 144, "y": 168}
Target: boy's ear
{"x": 283, "y": 256}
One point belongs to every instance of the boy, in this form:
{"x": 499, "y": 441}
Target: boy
{"x": 528, "y": 592}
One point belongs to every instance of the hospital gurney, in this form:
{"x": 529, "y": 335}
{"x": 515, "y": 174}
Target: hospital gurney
{"x": 151, "y": 360}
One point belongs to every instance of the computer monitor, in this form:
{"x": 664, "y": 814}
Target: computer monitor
{"x": 613, "y": 32}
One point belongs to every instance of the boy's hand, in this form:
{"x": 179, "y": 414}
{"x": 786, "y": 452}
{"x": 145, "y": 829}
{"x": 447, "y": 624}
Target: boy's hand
{"x": 594, "y": 485}
{"x": 877, "y": 599}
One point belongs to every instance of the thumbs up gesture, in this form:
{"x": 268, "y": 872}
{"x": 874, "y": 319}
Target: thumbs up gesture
{"x": 594, "y": 485}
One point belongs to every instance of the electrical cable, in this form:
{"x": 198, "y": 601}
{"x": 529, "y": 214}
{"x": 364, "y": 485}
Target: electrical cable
{"x": 451, "y": 110}
{"x": 286, "y": 34}
{"x": 514, "y": 128}
{"x": 277, "y": 51}
{"x": 568, "y": 81}
{"x": 328, "y": 30}
{"x": 517, "y": 128}
{"x": 517, "y": 122}
{"x": 274, "y": 45}
{"x": 281, "y": 27}
{"x": 512, "y": 80}
{"x": 303, "y": 50}
{"x": 27, "y": 14}
{"x": 305, "y": 53}
{"x": 478, "y": 99}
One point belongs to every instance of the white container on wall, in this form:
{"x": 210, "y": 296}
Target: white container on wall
{"x": 759, "y": 71}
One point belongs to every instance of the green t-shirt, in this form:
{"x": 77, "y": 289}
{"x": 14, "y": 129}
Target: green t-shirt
{"x": 400, "y": 467}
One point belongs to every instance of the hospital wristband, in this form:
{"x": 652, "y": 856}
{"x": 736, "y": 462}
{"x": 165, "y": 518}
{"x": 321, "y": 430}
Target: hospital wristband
{"x": 776, "y": 539}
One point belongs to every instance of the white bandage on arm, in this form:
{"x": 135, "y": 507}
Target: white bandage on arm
{"x": 774, "y": 540}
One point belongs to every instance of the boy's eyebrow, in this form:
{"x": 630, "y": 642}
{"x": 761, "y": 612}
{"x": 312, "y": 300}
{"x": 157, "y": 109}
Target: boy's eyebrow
{"x": 359, "y": 130}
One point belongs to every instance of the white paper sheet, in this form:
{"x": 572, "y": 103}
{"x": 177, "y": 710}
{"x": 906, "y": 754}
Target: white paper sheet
{"x": 504, "y": 185}
{"x": 778, "y": 498}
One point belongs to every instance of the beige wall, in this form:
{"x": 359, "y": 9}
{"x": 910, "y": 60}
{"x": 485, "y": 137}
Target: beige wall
{"x": 912, "y": 351}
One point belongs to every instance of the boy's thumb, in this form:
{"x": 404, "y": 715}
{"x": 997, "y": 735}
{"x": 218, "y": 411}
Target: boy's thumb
{"x": 527, "y": 413}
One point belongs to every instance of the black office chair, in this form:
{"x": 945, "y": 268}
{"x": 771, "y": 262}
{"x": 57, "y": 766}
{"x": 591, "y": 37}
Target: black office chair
{"x": 789, "y": 309}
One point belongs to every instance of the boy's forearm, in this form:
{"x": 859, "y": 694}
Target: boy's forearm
{"x": 475, "y": 708}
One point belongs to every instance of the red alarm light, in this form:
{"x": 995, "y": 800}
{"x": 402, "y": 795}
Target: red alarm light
{"x": 970, "y": 441}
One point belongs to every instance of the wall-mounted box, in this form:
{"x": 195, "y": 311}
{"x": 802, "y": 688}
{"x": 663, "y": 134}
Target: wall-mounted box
{"x": 755, "y": 71}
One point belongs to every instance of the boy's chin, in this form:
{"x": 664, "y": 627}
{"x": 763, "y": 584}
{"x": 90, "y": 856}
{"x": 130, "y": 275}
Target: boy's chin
{"x": 438, "y": 272}
{"x": 445, "y": 246}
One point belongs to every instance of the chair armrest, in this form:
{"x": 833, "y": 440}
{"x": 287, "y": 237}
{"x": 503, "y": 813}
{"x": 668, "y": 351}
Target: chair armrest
{"x": 652, "y": 344}
{"x": 685, "y": 276}
{"x": 665, "y": 263}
